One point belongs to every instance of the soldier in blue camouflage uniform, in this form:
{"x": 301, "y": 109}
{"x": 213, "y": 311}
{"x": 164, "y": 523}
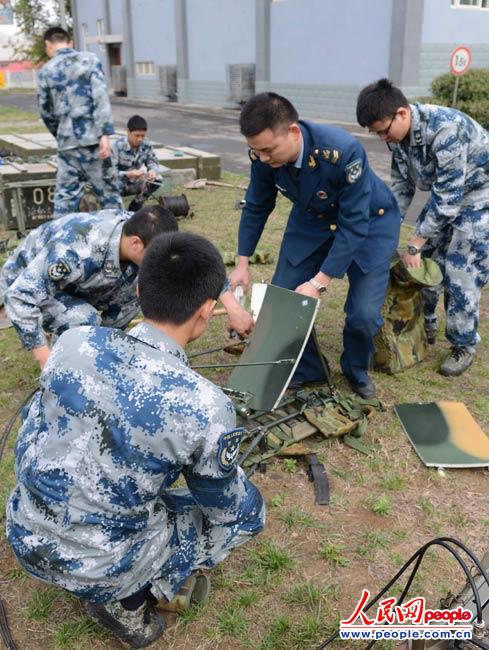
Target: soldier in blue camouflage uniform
{"x": 74, "y": 105}
{"x": 136, "y": 162}
{"x": 119, "y": 417}
{"x": 78, "y": 270}
{"x": 446, "y": 152}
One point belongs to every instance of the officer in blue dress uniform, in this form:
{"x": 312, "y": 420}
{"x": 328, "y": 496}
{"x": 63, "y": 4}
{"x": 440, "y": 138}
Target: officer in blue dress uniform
{"x": 344, "y": 219}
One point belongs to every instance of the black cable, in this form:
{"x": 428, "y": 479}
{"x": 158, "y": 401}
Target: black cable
{"x": 11, "y": 422}
{"x": 5, "y": 630}
{"x": 4, "y": 626}
{"x": 418, "y": 557}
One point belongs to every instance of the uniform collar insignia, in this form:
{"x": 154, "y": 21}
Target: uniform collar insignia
{"x": 311, "y": 162}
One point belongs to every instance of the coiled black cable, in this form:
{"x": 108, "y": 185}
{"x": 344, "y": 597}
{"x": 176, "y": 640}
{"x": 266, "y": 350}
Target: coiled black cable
{"x": 444, "y": 542}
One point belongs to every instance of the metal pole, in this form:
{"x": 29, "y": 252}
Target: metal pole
{"x": 455, "y": 91}
{"x": 62, "y": 14}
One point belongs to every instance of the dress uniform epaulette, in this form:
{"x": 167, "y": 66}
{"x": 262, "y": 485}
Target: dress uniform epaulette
{"x": 252, "y": 155}
{"x": 331, "y": 155}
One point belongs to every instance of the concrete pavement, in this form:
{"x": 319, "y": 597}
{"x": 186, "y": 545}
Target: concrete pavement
{"x": 215, "y": 130}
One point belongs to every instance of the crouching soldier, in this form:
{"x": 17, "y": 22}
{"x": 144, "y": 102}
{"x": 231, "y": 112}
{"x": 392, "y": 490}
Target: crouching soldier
{"x": 117, "y": 419}
{"x": 82, "y": 270}
{"x": 136, "y": 162}
{"x": 78, "y": 270}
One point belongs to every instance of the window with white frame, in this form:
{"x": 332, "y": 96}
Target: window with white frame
{"x": 470, "y": 4}
{"x": 101, "y": 33}
{"x": 144, "y": 68}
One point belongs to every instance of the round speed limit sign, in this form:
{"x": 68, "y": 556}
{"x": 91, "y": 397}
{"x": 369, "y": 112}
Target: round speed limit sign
{"x": 460, "y": 60}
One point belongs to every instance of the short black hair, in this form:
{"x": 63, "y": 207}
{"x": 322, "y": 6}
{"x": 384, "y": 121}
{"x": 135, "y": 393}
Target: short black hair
{"x": 137, "y": 123}
{"x": 179, "y": 272}
{"x": 266, "y": 111}
{"x": 379, "y": 101}
{"x": 56, "y": 35}
{"x": 150, "y": 221}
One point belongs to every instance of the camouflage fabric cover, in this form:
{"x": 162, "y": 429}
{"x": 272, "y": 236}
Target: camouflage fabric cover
{"x": 401, "y": 343}
{"x": 313, "y": 412}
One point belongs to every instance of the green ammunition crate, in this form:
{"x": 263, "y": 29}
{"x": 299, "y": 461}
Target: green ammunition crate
{"x": 26, "y": 194}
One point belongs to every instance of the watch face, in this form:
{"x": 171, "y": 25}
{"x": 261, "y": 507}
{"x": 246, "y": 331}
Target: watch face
{"x": 412, "y": 250}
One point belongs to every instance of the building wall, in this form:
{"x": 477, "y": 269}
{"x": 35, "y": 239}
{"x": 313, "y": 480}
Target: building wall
{"x": 321, "y": 57}
{"x": 154, "y": 40}
{"x": 320, "y": 53}
{"x": 329, "y": 43}
{"x": 445, "y": 27}
{"x": 219, "y": 32}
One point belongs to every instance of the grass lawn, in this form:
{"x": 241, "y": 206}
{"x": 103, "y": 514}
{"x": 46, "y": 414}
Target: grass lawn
{"x": 19, "y": 121}
{"x": 288, "y": 588}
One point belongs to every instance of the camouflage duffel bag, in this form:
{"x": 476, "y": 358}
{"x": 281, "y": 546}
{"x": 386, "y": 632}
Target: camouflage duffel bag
{"x": 401, "y": 342}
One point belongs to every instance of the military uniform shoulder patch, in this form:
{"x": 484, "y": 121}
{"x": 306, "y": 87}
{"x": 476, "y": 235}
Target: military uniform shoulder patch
{"x": 228, "y": 449}
{"x": 59, "y": 269}
{"x": 353, "y": 171}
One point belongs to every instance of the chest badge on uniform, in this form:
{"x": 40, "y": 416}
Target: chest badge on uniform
{"x": 110, "y": 268}
{"x": 322, "y": 195}
{"x": 311, "y": 162}
{"x": 228, "y": 449}
{"x": 353, "y": 171}
{"x": 59, "y": 269}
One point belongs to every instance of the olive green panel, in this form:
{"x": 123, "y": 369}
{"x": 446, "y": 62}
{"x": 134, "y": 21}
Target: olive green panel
{"x": 444, "y": 434}
{"x": 281, "y": 331}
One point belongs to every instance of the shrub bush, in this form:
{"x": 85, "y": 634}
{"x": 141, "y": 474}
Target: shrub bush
{"x": 473, "y": 86}
{"x": 472, "y": 94}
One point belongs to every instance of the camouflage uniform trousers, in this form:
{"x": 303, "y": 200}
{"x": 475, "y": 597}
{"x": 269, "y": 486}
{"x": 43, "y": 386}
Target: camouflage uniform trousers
{"x": 196, "y": 544}
{"x": 76, "y": 168}
{"x": 463, "y": 257}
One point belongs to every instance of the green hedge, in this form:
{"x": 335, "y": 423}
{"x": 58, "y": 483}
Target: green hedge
{"x": 472, "y": 94}
{"x": 472, "y": 86}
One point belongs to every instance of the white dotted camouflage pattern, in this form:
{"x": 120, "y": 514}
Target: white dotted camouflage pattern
{"x": 448, "y": 154}
{"x": 118, "y": 418}
{"x": 66, "y": 273}
{"x": 126, "y": 158}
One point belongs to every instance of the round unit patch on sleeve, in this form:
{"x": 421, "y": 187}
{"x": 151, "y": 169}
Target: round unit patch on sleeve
{"x": 59, "y": 269}
{"x": 353, "y": 171}
{"x": 228, "y": 449}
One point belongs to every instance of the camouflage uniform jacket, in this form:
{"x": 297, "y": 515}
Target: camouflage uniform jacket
{"x": 118, "y": 418}
{"x": 76, "y": 255}
{"x": 73, "y": 99}
{"x": 447, "y": 154}
{"x": 127, "y": 158}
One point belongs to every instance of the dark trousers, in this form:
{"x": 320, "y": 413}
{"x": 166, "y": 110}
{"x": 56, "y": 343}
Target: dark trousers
{"x": 362, "y": 308}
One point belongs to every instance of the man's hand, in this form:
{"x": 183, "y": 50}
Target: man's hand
{"x": 412, "y": 261}
{"x": 135, "y": 173}
{"x": 239, "y": 319}
{"x": 151, "y": 175}
{"x": 306, "y": 289}
{"x": 104, "y": 150}
{"x": 41, "y": 355}
{"x": 240, "y": 275}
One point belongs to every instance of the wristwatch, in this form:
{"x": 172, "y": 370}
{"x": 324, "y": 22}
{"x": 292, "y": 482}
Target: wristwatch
{"x": 412, "y": 249}
{"x": 318, "y": 286}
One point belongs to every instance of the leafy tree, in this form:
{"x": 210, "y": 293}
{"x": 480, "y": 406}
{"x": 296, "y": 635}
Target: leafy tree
{"x": 33, "y": 17}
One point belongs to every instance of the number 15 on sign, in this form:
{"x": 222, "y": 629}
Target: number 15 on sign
{"x": 459, "y": 63}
